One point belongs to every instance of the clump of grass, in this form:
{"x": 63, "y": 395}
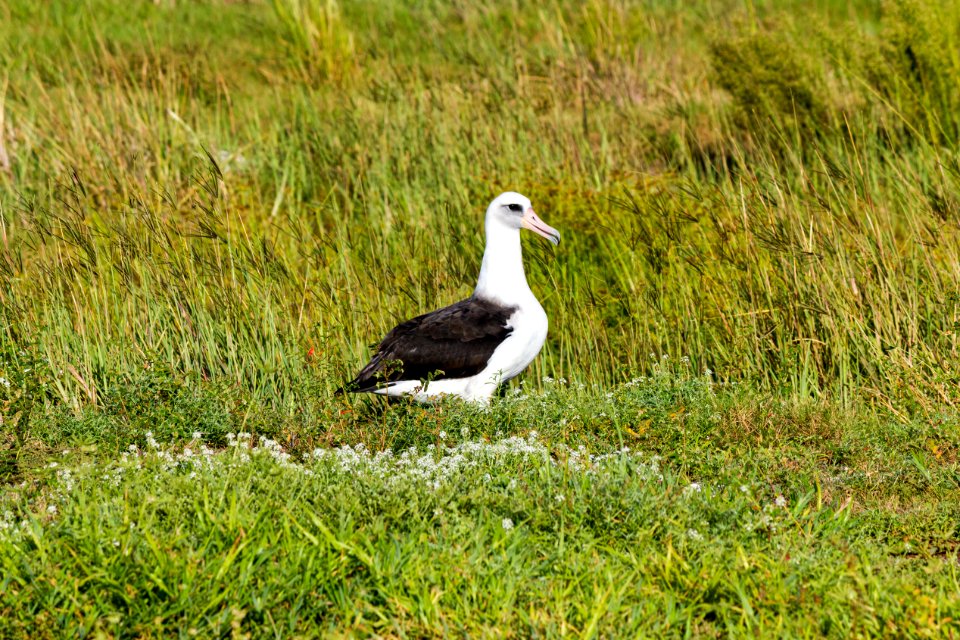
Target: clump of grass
{"x": 317, "y": 37}
{"x": 4, "y": 155}
{"x": 916, "y": 68}
{"x": 795, "y": 88}
{"x": 774, "y": 85}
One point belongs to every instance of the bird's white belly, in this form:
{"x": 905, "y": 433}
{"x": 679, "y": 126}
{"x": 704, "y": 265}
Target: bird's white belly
{"x": 515, "y": 353}
{"x": 429, "y": 391}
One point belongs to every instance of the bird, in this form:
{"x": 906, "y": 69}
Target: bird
{"x": 471, "y": 347}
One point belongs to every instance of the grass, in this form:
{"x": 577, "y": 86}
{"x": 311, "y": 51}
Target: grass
{"x": 666, "y": 509}
{"x": 207, "y": 213}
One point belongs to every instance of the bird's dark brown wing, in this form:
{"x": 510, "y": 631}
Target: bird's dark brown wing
{"x": 453, "y": 342}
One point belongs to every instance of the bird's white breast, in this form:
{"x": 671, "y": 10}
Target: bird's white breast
{"x": 529, "y": 324}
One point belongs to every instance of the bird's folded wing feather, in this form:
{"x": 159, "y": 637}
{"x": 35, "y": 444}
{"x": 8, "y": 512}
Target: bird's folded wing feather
{"x": 453, "y": 342}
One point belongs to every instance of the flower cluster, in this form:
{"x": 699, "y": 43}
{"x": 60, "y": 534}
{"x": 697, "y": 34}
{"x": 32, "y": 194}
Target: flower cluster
{"x": 432, "y": 466}
{"x": 503, "y": 461}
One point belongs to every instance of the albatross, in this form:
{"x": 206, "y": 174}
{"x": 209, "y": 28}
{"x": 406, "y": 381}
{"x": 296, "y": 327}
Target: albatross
{"x": 473, "y": 346}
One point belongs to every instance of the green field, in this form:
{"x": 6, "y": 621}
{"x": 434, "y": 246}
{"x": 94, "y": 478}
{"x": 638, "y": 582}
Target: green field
{"x": 744, "y": 422}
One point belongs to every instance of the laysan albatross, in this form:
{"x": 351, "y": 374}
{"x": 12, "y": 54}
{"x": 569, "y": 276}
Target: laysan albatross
{"x": 469, "y": 348}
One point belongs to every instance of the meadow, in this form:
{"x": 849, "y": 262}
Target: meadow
{"x": 744, "y": 421}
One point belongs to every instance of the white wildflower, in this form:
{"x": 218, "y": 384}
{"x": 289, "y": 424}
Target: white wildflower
{"x": 442, "y": 435}
{"x": 780, "y": 501}
{"x": 197, "y": 435}
{"x": 507, "y": 524}
{"x": 693, "y": 534}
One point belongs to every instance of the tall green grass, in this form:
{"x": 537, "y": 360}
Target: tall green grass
{"x": 316, "y": 37}
{"x": 224, "y": 188}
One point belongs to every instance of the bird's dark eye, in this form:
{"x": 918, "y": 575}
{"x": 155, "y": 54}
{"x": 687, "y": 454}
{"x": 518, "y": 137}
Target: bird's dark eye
{"x": 515, "y": 207}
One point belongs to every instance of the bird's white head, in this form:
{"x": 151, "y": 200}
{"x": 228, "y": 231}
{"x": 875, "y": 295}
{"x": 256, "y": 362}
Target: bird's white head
{"x": 514, "y": 211}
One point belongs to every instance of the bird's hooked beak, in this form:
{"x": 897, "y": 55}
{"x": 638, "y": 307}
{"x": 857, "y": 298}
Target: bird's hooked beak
{"x": 531, "y": 221}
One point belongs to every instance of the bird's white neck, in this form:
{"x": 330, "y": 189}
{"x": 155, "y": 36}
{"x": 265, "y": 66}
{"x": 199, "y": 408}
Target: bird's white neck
{"x": 501, "y": 274}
